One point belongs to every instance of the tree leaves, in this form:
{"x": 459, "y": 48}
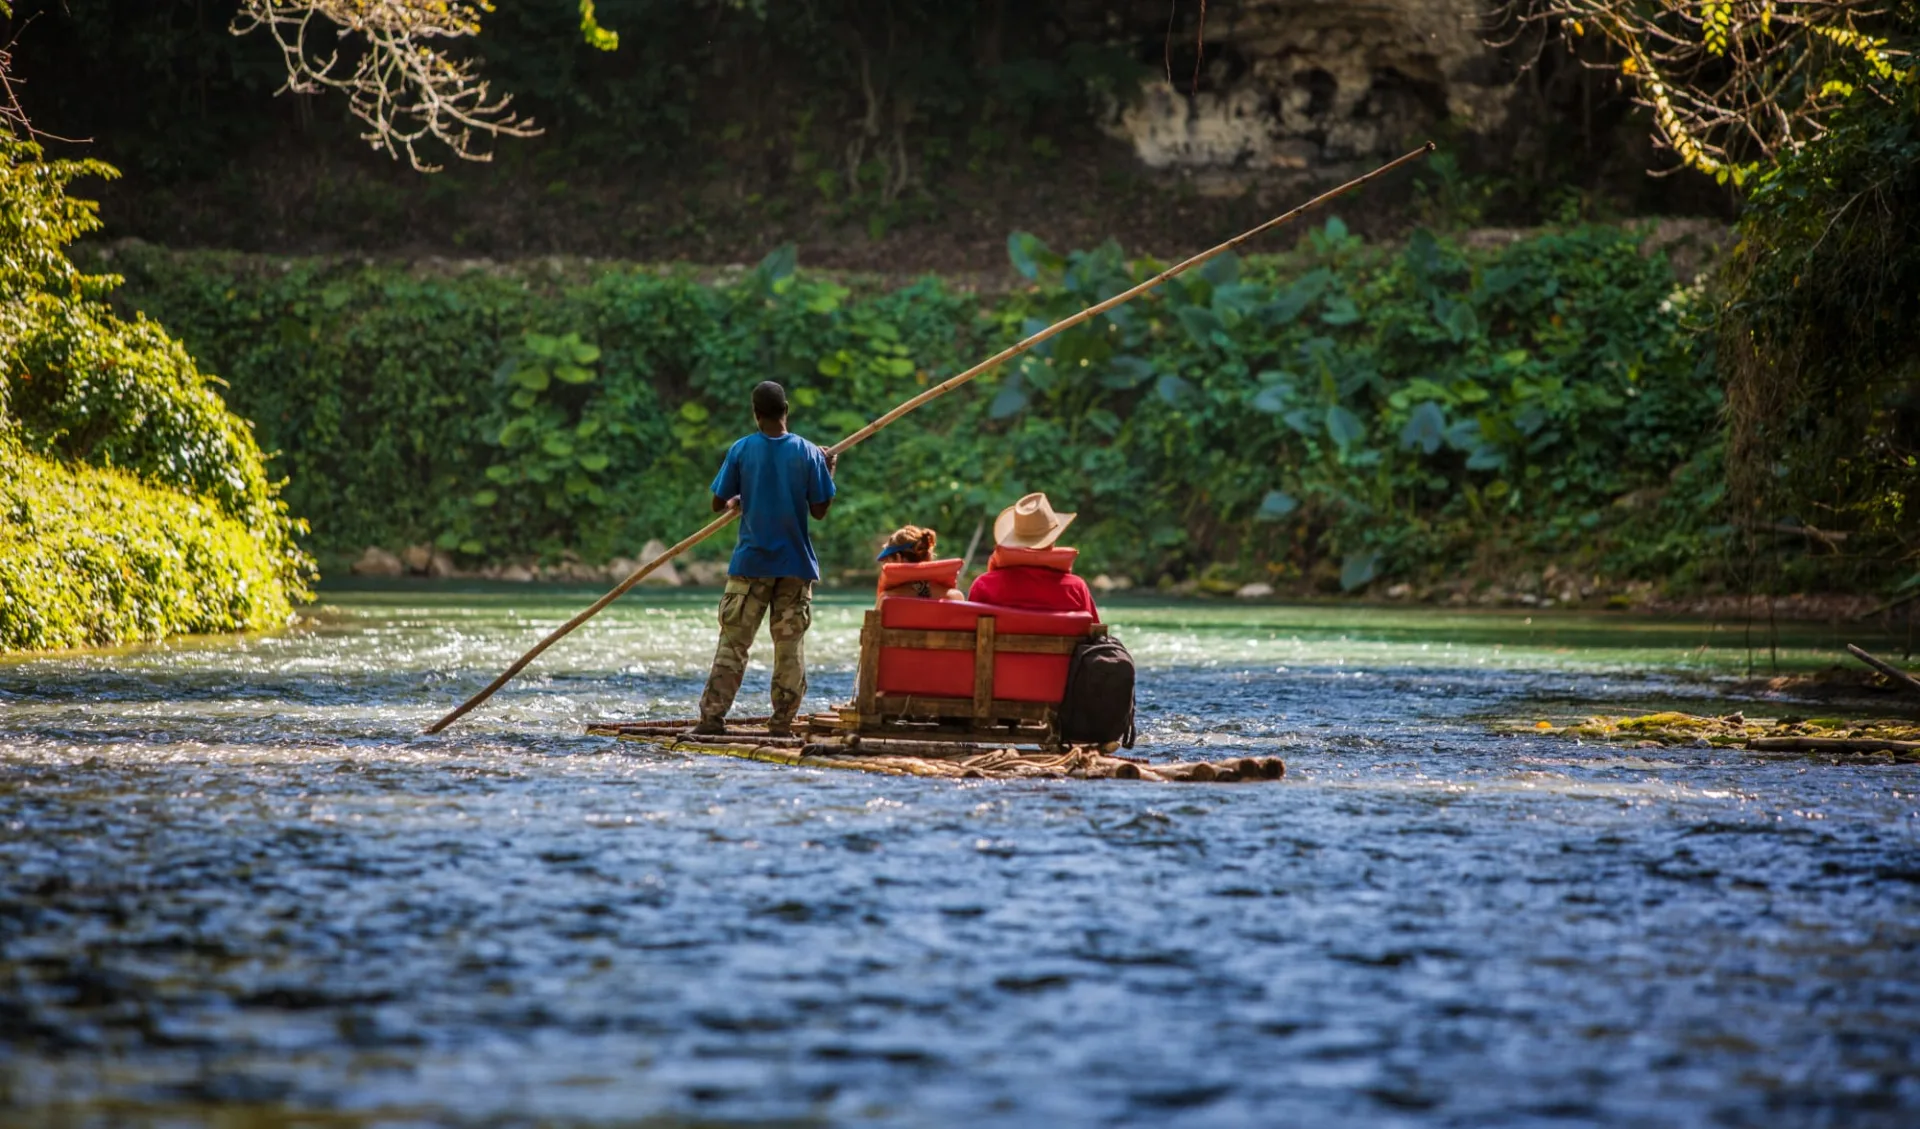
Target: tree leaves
{"x": 1202, "y": 325}
{"x": 1127, "y": 372}
{"x": 1456, "y": 317}
{"x": 1234, "y": 400}
{"x": 1032, "y": 257}
{"x": 1344, "y": 427}
{"x": 779, "y": 264}
{"x": 1222, "y": 269}
{"x": 1340, "y": 310}
{"x": 1276, "y": 505}
{"x": 1173, "y": 389}
{"x": 1426, "y": 428}
{"x": 1358, "y": 570}
{"x": 1010, "y": 400}
{"x": 1306, "y": 421}
{"x": 1272, "y": 399}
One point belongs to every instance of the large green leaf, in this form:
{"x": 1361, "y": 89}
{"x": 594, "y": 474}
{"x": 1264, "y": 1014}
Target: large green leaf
{"x": 1031, "y": 257}
{"x": 1221, "y": 270}
{"x": 1127, "y": 372}
{"x": 1010, "y": 400}
{"x": 1173, "y": 389}
{"x": 1486, "y": 457}
{"x": 1426, "y": 428}
{"x": 1276, "y": 505}
{"x": 1272, "y": 399}
{"x": 1202, "y": 324}
{"x": 1358, "y": 570}
{"x": 1340, "y": 310}
{"x": 1422, "y": 254}
{"x": 1344, "y": 427}
{"x": 779, "y": 263}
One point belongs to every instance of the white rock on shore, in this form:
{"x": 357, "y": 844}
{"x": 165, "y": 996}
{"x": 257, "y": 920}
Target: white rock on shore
{"x": 516, "y": 573}
{"x": 666, "y": 575}
{"x": 1255, "y": 591}
{"x": 417, "y": 557}
{"x": 376, "y": 561}
{"x": 706, "y": 574}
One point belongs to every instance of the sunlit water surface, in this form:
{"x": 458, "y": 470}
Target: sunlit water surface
{"x": 237, "y": 887}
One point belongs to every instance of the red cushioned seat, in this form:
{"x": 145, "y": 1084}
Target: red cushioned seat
{"x": 949, "y": 674}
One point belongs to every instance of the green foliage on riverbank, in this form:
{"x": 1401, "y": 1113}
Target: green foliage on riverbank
{"x": 91, "y": 556}
{"x": 1347, "y": 411}
{"x": 132, "y": 503}
{"x": 1823, "y": 372}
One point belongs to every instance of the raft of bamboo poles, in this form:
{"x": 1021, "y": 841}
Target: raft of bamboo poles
{"x": 823, "y": 743}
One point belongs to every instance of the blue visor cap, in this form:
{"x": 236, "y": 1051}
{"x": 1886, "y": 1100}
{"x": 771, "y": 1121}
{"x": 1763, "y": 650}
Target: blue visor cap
{"x": 892, "y": 550}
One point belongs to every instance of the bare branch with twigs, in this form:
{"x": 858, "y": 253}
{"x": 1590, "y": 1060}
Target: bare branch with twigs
{"x": 391, "y": 59}
{"x": 1729, "y": 82}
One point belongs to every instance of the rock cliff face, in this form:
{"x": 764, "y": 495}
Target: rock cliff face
{"x": 1305, "y": 85}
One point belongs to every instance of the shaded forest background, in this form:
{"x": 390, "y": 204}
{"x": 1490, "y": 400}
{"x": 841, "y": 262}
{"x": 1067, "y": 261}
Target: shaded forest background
{"x": 892, "y": 135}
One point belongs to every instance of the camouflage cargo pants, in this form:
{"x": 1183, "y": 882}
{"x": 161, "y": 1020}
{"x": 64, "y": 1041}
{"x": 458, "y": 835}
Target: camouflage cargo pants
{"x": 744, "y": 604}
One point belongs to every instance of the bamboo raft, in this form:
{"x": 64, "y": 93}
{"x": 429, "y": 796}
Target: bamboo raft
{"x": 829, "y": 742}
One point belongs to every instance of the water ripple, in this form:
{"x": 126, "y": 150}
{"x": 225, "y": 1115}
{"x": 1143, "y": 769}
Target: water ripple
{"x": 233, "y": 877}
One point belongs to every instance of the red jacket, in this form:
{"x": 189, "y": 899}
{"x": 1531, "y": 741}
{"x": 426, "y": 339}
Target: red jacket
{"x": 1034, "y": 579}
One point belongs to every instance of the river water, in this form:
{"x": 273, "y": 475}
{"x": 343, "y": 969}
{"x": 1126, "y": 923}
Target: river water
{"x": 237, "y": 888}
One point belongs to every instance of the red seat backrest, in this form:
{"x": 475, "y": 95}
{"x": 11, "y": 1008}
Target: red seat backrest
{"x": 949, "y": 674}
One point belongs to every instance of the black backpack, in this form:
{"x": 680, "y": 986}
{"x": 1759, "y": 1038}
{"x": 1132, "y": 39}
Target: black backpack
{"x": 1098, "y": 706}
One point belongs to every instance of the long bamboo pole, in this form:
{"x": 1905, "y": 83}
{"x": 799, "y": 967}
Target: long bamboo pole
{"x": 934, "y": 393}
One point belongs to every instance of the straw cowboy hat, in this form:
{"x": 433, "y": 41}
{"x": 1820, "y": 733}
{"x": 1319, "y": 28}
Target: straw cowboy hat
{"x": 1030, "y": 523}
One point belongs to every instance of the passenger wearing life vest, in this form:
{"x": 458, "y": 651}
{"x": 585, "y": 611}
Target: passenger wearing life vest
{"x": 907, "y": 567}
{"x": 1028, "y": 570}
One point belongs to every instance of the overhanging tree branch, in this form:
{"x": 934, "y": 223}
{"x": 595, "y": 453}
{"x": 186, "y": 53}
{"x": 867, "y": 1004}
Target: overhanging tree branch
{"x": 1729, "y": 82}
{"x": 391, "y": 59}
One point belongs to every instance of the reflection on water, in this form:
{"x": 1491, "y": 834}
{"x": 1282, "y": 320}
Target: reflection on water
{"x": 236, "y": 884}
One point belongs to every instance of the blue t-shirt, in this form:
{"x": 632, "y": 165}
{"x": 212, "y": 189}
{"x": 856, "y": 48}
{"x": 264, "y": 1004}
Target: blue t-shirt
{"x": 776, "y": 480}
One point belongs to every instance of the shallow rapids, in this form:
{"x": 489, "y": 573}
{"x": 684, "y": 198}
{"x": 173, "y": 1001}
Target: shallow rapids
{"x": 237, "y": 887}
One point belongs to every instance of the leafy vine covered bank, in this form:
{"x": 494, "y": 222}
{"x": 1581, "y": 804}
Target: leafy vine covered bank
{"x": 1349, "y": 411}
{"x": 133, "y": 505}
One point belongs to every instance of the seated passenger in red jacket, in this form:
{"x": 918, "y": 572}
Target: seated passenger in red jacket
{"x": 1028, "y": 570}
{"x": 907, "y": 567}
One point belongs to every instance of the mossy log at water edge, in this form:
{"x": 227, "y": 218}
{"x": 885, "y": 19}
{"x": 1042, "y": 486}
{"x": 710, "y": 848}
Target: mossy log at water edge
{"x": 1894, "y": 737}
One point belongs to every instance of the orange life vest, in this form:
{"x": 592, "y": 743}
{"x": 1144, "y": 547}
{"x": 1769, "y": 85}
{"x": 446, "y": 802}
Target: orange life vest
{"x": 1056, "y": 558}
{"x": 931, "y": 579}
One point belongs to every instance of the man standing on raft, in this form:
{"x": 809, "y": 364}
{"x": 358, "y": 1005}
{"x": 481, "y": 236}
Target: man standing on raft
{"x": 777, "y": 480}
